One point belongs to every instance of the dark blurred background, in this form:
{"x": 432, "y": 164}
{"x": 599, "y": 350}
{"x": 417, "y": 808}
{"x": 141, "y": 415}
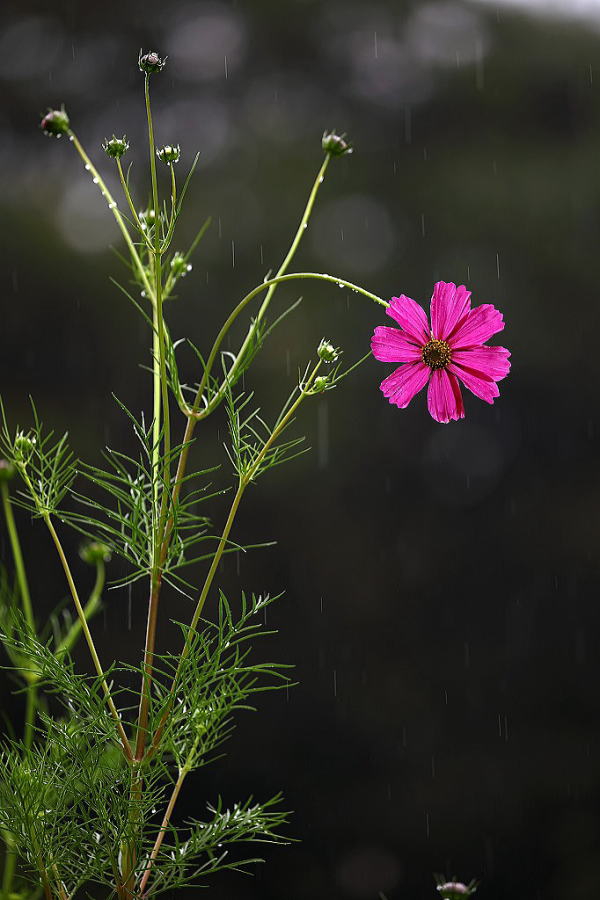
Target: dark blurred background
{"x": 441, "y": 582}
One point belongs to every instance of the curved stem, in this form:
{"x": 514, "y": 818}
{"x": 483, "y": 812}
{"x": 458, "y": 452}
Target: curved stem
{"x": 266, "y": 285}
{"x": 115, "y": 211}
{"x": 273, "y": 282}
{"x": 31, "y": 702}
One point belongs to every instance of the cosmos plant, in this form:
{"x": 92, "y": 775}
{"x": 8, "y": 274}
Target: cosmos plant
{"x": 89, "y": 784}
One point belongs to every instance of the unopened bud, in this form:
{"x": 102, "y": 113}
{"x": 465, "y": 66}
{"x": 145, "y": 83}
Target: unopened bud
{"x": 7, "y": 470}
{"x": 456, "y": 890}
{"x": 24, "y": 446}
{"x": 180, "y": 266}
{"x": 320, "y": 384}
{"x": 94, "y": 552}
{"x": 336, "y": 144}
{"x": 150, "y": 63}
{"x": 169, "y": 154}
{"x": 327, "y": 352}
{"x": 115, "y": 147}
{"x": 147, "y": 218}
{"x": 55, "y": 123}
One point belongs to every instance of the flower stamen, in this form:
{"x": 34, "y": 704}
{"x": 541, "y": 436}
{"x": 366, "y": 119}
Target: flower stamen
{"x": 436, "y": 354}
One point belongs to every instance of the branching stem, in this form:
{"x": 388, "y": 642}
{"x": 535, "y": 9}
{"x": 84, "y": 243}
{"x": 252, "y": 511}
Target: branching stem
{"x": 244, "y": 481}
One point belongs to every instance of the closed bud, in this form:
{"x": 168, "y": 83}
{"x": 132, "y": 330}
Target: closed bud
{"x": 7, "y": 470}
{"x": 55, "y": 123}
{"x": 150, "y": 63}
{"x": 115, "y": 147}
{"x": 320, "y": 384}
{"x": 327, "y": 352}
{"x": 180, "y": 266}
{"x": 94, "y": 552}
{"x": 24, "y": 446}
{"x": 336, "y": 144}
{"x": 169, "y": 154}
{"x": 456, "y": 890}
{"x": 147, "y": 218}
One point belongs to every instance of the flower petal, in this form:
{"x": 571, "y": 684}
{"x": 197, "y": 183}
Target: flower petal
{"x": 487, "y": 361}
{"x": 444, "y": 399}
{"x": 402, "y": 385}
{"x": 476, "y": 327}
{"x": 483, "y": 386}
{"x": 411, "y": 317}
{"x": 449, "y": 304}
{"x": 392, "y": 345}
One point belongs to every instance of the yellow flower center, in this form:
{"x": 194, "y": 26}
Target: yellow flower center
{"x": 436, "y": 354}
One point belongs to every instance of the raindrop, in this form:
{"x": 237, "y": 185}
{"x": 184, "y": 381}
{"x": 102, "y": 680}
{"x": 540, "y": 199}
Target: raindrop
{"x": 335, "y": 683}
{"x": 226, "y": 73}
{"x": 375, "y": 49}
{"x": 321, "y": 180}
{"x": 233, "y": 254}
{"x": 498, "y": 265}
{"x": 87, "y": 167}
{"x": 71, "y": 137}
{"x": 95, "y": 180}
{"x": 305, "y": 225}
{"x": 112, "y": 205}
{"x": 262, "y": 255}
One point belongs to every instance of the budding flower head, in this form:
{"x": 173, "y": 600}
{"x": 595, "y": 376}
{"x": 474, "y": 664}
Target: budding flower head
{"x": 180, "y": 266}
{"x": 320, "y": 384}
{"x": 24, "y": 446}
{"x": 169, "y": 154}
{"x": 94, "y": 552}
{"x": 455, "y": 890}
{"x": 115, "y": 147}
{"x": 147, "y": 218}
{"x": 7, "y": 470}
{"x": 55, "y": 123}
{"x": 151, "y": 62}
{"x": 336, "y": 144}
{"x": 327, "y": 352}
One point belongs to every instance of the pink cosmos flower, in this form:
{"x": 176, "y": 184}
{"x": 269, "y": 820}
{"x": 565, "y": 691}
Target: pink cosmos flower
{"x": 452, "y": 348}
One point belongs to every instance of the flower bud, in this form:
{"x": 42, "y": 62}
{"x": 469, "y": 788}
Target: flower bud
{"x": 55, "y": 123}
{"x": 456, "y": 890}
{"x": 327, "y": 352}
{"x": 169, "y": 154}
{"x": 320, "y": 384}
{"x": 94, "y": 552}
{"x": 115, "y": 147}
{"x": 7, "y": 470}
{"x": 151, "y": 62}
{"x": 147, "y": 218}
{"x": 24, "y": 446}
{"x": 180, "y": 266}
{"x": 336, "y": 144}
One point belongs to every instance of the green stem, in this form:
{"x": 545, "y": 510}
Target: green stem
{"x": 161, "y": 408}
{"x": 89, "y": 610}
{"x": 88, "y": 636}
{"x": 183, "y": 773}
{"x": 242, "y": 485}
{"x": 31, "y": 702}
{"x": 10, "y": 865}
{"x": 129, "y": 199}
{"x": 266, "y": 285}
{"x": 173, "y": 217}
{"x": 272, "y": 284}
{"x": 115, "y": 211}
